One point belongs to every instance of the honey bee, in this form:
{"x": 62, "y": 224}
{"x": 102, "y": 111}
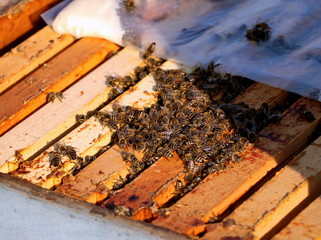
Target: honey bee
{"x": 51, "y": 96}
{"x": 275, "y": 117}
{"x": 71, "y": 152}
{"x": 114, "y": 92}
{"x": 112, "y": 124}
{"x": 122, "y": 211}
{"x": 140, "y": 146}
{"x": 129, "y": 5}
{"x": 88, "y": 159}
{"x": 119, "y": 183}
{"x": 137, "y": 166}
{"x": 18, "y": 155}
{"x": 122, "y": 143}
{"x": 54, "y": 159}
{"x": 128, "y": 157}
{"x": 80, "y": 118}
{"x": 149, "y": 51}
{"x": 60, "y": 148}
{"x": 260, "y": 32}
{"x": 179, "y": 187}
{"x": 307, "y": 115}
{"x": 190, "y": 171}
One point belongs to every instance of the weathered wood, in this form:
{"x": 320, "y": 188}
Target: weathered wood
{"x": 138, "y": 195}
{"x": 307, "y": 225}
{"x": 34, "y": 133}
{"x": 217, "y": 192}
{"x": 54, "y": 76}
{"x": 159, "y": 188}
{"x": 144, "y": 91}
{"x": 259, "y": 93}
{"x": 254, "y": 96}
{"x": 88, "y": 138}
{"x": 30, "y": 54}
{"x": 22, "y": 18}
{"x": 294, "y": 184}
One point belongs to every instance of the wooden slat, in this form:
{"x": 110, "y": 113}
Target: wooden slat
{"x": 297, "y": 182}
{"x": 159, "y": 188}
{"x": 259, "y": 93}
{"x": 217, "y": 192}
{"x": 54, "y": 76}
{"x": 88, "y": 138}
{"x": 254, "y": 96}
{"x": 22, "y": 18}
{"x": 30, "y": 54}
{"x": 146, "y": 185}
{"x": 34, "y": 133}
{"x": 307, "y": 225}
{"x": 77, "y": 190}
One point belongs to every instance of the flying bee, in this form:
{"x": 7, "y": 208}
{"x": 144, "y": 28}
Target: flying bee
{"x": 179, "y": 187}
{"x": 260, "y": 32}
{"x": 307, "y": 115}
{"x": 71, "y": 152}
{"x": 129, "y": 5}
{"x": 54, "y": 159}
{"x": 80, "y": 118}
{"x": 51, "y": 96}
{"x": 149, "y": 51}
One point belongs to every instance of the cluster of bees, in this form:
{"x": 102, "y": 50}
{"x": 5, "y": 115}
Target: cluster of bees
{"x": 61, "y": 150}
{"x": 207, "y": 133}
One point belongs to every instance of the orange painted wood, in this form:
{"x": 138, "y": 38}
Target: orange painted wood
{"x": 138, "y": 194}
{"x": 22, "y": 18}
{"x": 259, "y": 93}
{"x": 89, "y": 182}
{"x": 30, "y": 54}
{"x": 296, "y": 184}
{"x": 254, "y": 96}
{"x": 217, "y": 192}
{"x": 149, "y": 186}
{"x": 54, "y": 76}
{"x": 307, "y": 225}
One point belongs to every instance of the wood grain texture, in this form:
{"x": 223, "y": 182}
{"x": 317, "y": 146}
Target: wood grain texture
{"x": 141, "y": 95}
{"x": 260, "y": 214}
{"x": 217, "y": 192}
{"x": 87, "y": 94}
{"x": 254, "y": 96}
{"x": 22, "y": 18}
{"x": 30, "y": 54}
{"x": 307, "y": 225}
{"x": 54, "y": 76}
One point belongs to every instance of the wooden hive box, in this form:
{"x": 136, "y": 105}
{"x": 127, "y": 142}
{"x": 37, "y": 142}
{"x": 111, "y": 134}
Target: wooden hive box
{"x": 274, "y": 188}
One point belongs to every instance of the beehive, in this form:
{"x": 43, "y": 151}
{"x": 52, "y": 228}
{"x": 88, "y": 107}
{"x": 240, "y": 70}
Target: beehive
{"x": 273, "y": 188}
